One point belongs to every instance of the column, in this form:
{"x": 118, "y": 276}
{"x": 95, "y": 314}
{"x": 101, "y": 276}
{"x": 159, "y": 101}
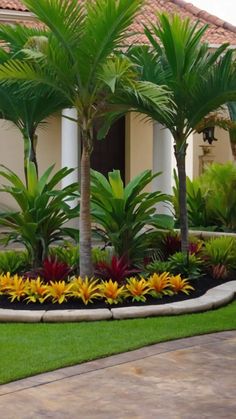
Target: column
{"x": 163, "y": 162}
{"x": 70, "y": 146}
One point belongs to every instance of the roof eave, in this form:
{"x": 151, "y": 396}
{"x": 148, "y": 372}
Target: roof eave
{"x": 12, "y": 15}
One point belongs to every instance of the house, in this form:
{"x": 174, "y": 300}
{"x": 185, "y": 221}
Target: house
{"x": 135, "y": 145}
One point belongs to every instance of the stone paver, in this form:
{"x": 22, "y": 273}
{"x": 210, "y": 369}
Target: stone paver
{"x": 191, "y": 378}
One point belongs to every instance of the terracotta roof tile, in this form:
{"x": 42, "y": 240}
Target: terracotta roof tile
{"x": 12, "y": 5}
{"x": 218, "y": 32}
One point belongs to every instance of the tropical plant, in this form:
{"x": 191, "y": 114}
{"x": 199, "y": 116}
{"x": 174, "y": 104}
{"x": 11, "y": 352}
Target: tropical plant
{"x": 118, "y": 269}
{"x": 58, "y": 292}
{"x": 159, "y": 285}
{"x": 158, "y": 266}
{"x": 137, "y": 289}
{"x": 218, "y": 183}
{"x": 101, "y": 255}
{"x": 29, "y": 110}
{"x": 52, "y": 270}
{"x": 189, "y": 268}
{"x": 112, "y": 291}
{"x": 125, "y": 212}
{"x": 178, "y": 284}
{"x": 67, "y": 253}
{"x": 220, "y": 256}
{"x": 36, "y": 291}
{"x": 79, "y": 62}
{"x": 43, "y": 211}
{"x": 86, "y": 289}
{"x": 13, "y": 261}
{"x": 201, "y": 80}
{"x": 5, "y": 282}
{"x": 196, "y": 202}
{"x": 17, "y": 288}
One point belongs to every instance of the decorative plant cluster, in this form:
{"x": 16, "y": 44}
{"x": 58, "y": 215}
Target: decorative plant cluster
{"x": 211, "y": 198}
{"x": 88, "y": 290}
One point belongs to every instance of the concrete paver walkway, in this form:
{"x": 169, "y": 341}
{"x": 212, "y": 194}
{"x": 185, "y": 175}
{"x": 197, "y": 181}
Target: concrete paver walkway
{"x": 192, "y": 378}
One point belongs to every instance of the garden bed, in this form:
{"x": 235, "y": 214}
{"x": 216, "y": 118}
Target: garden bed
{"x": 202, "y": 285}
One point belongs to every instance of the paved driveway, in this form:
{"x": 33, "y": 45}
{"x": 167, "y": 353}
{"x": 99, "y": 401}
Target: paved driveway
{"x": 191, "y": 378}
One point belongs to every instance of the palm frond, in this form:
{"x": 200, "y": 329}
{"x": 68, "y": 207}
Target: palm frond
{"x": 106, "y": 25}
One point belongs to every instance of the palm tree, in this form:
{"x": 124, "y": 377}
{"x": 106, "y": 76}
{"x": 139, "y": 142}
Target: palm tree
{"x": 27, "y": 111}
{"x": 200, "y": 79}
{"x": 79, "y": 61}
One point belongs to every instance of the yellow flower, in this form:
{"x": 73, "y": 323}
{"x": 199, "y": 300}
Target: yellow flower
{"x": 111, "y": 291}
{"x": 180, "y": 285}
{"x": 159, "y": 284}
{"x": 137, "y": 288}
{"x": 17, "y": 289}
{"x": 58, "y": 291}
{"x": 36, "y": 291}
{"x": 85, "y": 289}
{"x": 5, "y": 281}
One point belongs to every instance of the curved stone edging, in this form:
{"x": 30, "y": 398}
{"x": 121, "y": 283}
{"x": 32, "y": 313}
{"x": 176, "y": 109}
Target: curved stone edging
{"x": 215, "y": 297}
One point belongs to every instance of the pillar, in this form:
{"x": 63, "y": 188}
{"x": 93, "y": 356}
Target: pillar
{"x": 163, "y": 162}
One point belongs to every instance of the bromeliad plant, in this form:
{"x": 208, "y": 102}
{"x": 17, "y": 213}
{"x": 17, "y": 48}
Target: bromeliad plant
{"x": 87, "y": 290}
{"x": 125, "y": 212}
{"x": 219, "y": 255}
{"x": 117, "y": 269}
{"x": 43, "y": 211}
{"x": 112, "y": 291}
{"x": 159, "y": 285}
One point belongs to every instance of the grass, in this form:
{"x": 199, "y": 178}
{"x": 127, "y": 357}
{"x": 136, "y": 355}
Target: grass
{"x": 29, "y": 349}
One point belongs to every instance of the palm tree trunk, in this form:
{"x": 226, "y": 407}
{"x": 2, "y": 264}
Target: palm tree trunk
{"x": 32, "y": 156}
{"x": 30, "y": 153}
{"x": 180, "y": 155}
{"x": 86, "y": 267}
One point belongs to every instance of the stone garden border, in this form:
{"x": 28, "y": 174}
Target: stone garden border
{"x": 214, "y": 298}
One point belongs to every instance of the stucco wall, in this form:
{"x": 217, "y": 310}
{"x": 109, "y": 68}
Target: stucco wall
{"x": 221, "y": 150}
{"x": 11, "y": 150}
{"x": 138, "y": 145}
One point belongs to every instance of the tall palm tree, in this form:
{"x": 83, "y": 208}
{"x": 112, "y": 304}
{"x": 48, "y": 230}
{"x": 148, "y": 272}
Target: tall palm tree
{"x": 200, "y": 79}
{"x": 80, "y": 62}
{"x": 30, "y": 110}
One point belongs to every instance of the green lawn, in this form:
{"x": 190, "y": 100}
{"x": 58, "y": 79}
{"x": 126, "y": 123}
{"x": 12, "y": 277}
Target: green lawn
{"x": 28, "y": 349}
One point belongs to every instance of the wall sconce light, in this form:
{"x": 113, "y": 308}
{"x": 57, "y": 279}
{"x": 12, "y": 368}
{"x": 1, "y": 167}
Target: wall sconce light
{"x": 209, "y": 134}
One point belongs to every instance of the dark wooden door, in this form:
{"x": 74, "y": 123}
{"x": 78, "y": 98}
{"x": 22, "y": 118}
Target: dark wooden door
{"x": 109, "y": 153}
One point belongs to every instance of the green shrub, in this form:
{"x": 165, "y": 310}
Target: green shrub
{"x": 211, "y": 198}
{"x": 219, "y": 183}
{"x": 13, "y": 261}
{"x": 220, "y": 256}
{"x": 188, "y": 267}
{"x": 125, "y": 212}
{"x": 43, "y": 211}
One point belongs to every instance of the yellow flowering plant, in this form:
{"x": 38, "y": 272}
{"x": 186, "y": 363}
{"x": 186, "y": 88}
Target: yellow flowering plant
{"x": 137, "y": 289}
{"x": 58, "y": 291}
{"x": 36, "y": 291}
{"x": 86, "y": 289}
{"x": 112, "y": 292}
{"x": 5, "y": 282}
{"x": 17, "y": 288}
{"x": 180, "y": 285}
{"x": 159, "y": 285}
